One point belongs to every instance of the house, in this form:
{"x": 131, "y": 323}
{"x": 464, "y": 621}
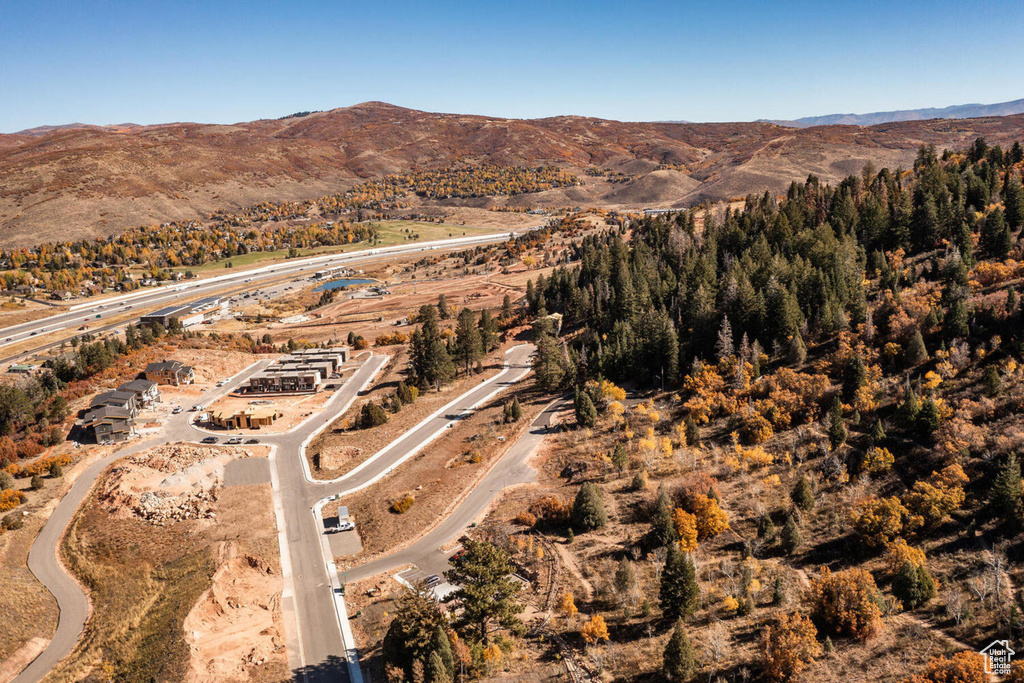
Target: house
{"x": 303, "y": 370}
{"x": 22, "y": 369}
{"x": 146, "y": 391}
{"x": 252, "y": 417}
{"x": 108, "y": 424}
{"x": 172, "y": 372}
{"x": 62, "y": 295}
{"x": 125, "y": 400}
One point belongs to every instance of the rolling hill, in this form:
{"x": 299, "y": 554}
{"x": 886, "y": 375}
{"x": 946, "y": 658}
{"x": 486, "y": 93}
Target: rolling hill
{"x": 957, "y": 111}
{"x": 76, "y": 182}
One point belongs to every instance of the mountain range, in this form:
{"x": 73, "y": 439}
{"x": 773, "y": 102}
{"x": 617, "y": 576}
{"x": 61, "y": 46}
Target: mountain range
{"x": 77, "y": 182}
{"x": 957, "y": 111}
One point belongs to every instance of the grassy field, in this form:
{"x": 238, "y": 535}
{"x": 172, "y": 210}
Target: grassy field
{"x": 389, "y": 233}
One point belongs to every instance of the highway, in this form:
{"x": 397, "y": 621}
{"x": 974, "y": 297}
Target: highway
{"x": 94, "y": 312}
{"x": 320, "y": 645}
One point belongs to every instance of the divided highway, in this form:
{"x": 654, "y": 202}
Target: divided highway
{"x": 168, "y": 294}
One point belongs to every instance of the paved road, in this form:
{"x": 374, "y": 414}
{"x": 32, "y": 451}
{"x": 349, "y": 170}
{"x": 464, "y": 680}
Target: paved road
{"x": 45, "y": 565}
{"x": 87, "y": 313}
{"x": 323, "y": 653}
{"x": 310, "y": 593}
{"x": 512, "y": 469}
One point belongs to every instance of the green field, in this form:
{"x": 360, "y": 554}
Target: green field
{"x": 389, "y": 233}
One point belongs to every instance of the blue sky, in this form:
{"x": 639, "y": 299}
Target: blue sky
{"x": 153, "y": 62}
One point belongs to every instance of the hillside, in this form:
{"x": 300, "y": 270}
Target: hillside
{"x": 95, "y": 181}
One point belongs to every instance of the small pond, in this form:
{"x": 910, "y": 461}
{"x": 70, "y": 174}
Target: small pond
{"x": 338, "y": 284}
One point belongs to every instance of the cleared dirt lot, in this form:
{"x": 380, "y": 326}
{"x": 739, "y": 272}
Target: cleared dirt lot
{"x": 178, "y": 597}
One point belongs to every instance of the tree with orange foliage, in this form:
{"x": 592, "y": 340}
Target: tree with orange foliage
{"x": 789, "y": 645}
{"x": 846, "y": 602}
{"x": 594, "y": 630}
{"x": 711, "y": 519}
{"x": 963, "y": 667}
{"x": 686, "y": 528}
{"x": 567, "y": 605}
{"x": 880, "y": 520}
{"x": 934, "y": 499}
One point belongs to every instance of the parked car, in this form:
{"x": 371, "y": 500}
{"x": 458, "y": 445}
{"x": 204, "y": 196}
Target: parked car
{"x": 210, "y": 439}
{"x": 432, "y": 580}
{"x": 343, "y": 526}
{"x": 234, "y": 440}
{"x": 198, "y": 406}
{"x": 177, "y": 409}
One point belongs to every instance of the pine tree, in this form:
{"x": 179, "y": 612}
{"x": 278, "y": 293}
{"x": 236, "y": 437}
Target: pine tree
{"x": 663, "y": 529}
{"x": 586, "y": 413}
{"x": 1005, "y": 494}
{"x": 588, "y": 511}
{"x": 444, "y": 311}
{"x": 678, "y": 660}
{"x": 836, "y": 426}
{"x": 803, "y": 495}
{"x": 620, "y": 458}
{"x": 486, "y": 591}
{"x": 679, "y": 590}
{"x": 916, "y": 353}
{"x": 468, "y": 346}
{"x": 797, "y": 353}
{"x": 488, "y": 331}
{"x": 443, "y": 647}
{"x": 995, "y": 235}
{"x": 436, "y": 672}
{"x": 790, "y": 538}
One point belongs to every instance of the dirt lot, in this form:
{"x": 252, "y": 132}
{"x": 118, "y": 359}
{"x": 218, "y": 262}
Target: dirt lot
{"x": 437, "y": 478}
{"x": 210, "y": 366}
{"x": 291, "y": 409}
{"x": 178, "y": 597}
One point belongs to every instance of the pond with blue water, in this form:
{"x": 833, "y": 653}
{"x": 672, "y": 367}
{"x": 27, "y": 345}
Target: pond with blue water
{"x": 338, "y": 284}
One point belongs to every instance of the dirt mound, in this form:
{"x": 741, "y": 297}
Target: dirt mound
{"x": 234, "y": 628}
{"x": 168, "y": 484}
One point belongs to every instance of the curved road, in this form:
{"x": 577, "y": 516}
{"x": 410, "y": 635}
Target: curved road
{"x": 512, "y": 469}
{"x": 43, "y": 560}
{"x": 310, "y": 594}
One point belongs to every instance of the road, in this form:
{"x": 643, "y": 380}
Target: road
{"x": 114, "y": 306}
{"x": 512, "y": 469}
{"x": 43, "y": 561}
{"x": 314, "y": 610}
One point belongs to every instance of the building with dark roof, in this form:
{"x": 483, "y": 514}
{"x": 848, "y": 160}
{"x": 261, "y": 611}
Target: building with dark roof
{"x": 172, "y": 372}
{"x": 108, "y": 424}
{"x": 125, "y": 400}
{"x": 146, "y": 391}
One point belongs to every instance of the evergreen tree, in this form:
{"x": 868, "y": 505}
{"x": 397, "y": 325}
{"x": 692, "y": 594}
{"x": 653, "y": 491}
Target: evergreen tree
{"x": 1005, "y": 494}
{"x": 468, "y": 345}
{"x": 586, "y": 413}
{"x": 678, "y": 662}
{"x": 679, "y": 590}
{"x": 444, "y": 311}
{"x": 913, "y": 585}
{"x": 790, "y": 539}
{"x": 836, "y": 425}
{"x": 916, "y": 353}
{"x": 995, "y": 235}
{"x": 620, "y": 458}
{"x": 803, "y": 495}
{"x": 436, "y": 672}
{"x": 507, "y": 312}
{"x": 588, "y": 511}
{"x": 854, "y": 377}
{"x": 724, "y": 347}
{"x": 442, "y": 646}
{"x": 486, "y": 591}
{"x": 488, "y": 331}
{"x": 797, "y": 353}
{"x": 663, "y": 529}
{"x": 549, "y": 362}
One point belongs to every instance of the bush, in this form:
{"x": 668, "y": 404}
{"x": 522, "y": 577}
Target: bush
{"x": 803, "y": 495}
{"x": 402, "y": 505}
{"x": 13, "y": 521}
{"x": 913, "y": 585}
{"x": 37, "y": 482}
{"x": 56, "y": 471}
{"x": 846, "y": 603}
{"x": 6, "y": 480}
{"x": 372, "y": 415}
{"x": 10, "y": 499}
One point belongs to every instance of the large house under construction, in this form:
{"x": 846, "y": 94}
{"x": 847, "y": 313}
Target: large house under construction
{"x": 303, "y": 371}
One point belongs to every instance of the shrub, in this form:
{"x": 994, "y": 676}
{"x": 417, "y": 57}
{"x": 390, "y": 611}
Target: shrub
{"x": 37, "y": 482}
{"x": 963, "y": 667}
{"x": 878, "y": 460}
{"x": 803, "y": 495}
{"x": 6, "y": 480}
{"x": 846, "y": 603}
{"x": 913, "y": 585}
{"x": 402, "y": 505}
{"x": 789, "y": 645}
{"x": 755, "y": 429}
{"x": 12, "y": 521}
{"x": 526, "y": 518}
{"x": 10, "y": 499}
{"x": 372, "y": 415}
{"x": 879, "y": 520}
